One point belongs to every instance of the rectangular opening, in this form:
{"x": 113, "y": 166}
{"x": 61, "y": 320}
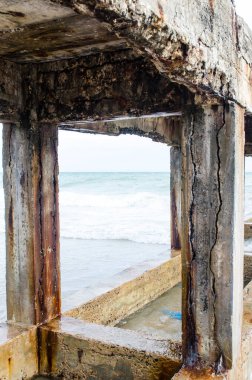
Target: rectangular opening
{"x": 115, "y": 228}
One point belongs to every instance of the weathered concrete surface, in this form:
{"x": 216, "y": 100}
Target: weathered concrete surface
{"x": 16, "y": 15}
{"x": 187, "y": 45}
{"x": 30, "y": 166}
{"x": 10, "y": 91}
{"x": 163, "y": 127}
{"x": 113, "y": 306}
{"x": 18, "y": 352}
{"x": 176, "y": 46}
{"x": 65, "y": 37}
{"x": 243, "y": 368}
{"x": 175, "y": 200}
{"x": 40, "y": 30}
{"x": 186, "y": 40}
{"x": 212, "y": 243}
{"x": 102, "y": 86}
{"x": 74, "y": 349}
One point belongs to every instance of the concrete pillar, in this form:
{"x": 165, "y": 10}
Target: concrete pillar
{"x": 175, "y": 200}
{"x": 30, "y": 166}
{"x": 212, "y": 241}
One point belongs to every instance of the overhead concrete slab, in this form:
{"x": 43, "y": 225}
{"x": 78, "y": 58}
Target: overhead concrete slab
{"x": 41, "y": 31}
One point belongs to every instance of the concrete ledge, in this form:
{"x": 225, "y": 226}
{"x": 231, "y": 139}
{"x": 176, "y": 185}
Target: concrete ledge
{"x": 77, "y": 350}
{"x": 74, "y": 349}
{"x": 113, "y": 306}
{"x": 18, "y": 352}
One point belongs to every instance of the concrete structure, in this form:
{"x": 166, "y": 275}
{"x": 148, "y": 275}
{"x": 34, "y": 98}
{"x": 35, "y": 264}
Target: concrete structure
{"x": 178, "y": 72}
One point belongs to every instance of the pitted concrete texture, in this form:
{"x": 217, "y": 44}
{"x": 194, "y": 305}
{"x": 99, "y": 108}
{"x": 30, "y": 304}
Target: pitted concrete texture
{"x": 18, "y": 352}
{"x": 77, "y": 350}
{"x": 39, "y": 28}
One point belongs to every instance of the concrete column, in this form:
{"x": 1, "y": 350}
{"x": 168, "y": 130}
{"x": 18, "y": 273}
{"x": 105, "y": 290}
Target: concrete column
{"x": 30, "y": 166}
{"x": 175, "y": 200}
{"x": 212, "y": 241}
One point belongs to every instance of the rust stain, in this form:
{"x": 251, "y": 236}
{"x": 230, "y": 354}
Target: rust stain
{"x": 212, "y": 4}
{"x": 10, "y": 227}
{"x": 80, "y": 354}
{"x": 190, "y": 346}
{"x": 10, "y": 368}
{"x": 51, "y": 349}
{"x": 47, "y": 349}
{"x": 46, "y": 232}
{"x": 175, "y": 237}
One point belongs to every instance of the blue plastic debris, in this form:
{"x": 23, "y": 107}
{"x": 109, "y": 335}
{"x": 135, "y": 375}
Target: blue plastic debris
{"x": 172, "y": 314}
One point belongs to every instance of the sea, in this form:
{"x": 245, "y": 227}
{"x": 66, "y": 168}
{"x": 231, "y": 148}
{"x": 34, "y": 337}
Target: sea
{"x": 114, "y": 226}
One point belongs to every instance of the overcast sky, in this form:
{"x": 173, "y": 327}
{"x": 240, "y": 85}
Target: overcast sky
{"x": 83, "y": 152}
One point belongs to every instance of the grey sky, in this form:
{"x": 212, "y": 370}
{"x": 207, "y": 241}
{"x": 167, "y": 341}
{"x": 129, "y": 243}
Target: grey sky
{"x": 80, "y": 152}
{"x": 85, "y": 152}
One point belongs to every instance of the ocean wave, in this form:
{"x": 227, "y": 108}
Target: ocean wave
{"x": 146, "y": 199}
{"x": 132, "y": 206}
{"x": 140, "y": 217}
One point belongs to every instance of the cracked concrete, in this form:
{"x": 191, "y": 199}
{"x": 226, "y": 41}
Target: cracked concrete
{"x": 142, "y": 57}
{"x": 205, "y": 163}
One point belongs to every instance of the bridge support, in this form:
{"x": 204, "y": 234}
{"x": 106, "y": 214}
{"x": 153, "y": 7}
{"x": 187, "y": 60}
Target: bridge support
{"x": 30, "y": 166}
{"x": 212, "y": 240}
{"x": 175, "y": 200}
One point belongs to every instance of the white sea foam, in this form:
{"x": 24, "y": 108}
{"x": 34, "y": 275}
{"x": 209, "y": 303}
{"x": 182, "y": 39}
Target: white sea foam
{"x": 118, "y": 206}
{"x": 141, "y": 217}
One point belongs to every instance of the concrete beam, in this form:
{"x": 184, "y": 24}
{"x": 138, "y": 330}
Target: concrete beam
{"x": 159, "y": 127}
{"x": 30, "y": 166}
{"x": 74, "y": 349}
{"x": 102, "y": 86}
{"x": 115, "y": 305}
{"x": 212, "y": 241}
{"x": 175, "y": 199}
{"x": 187, "y": 41}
